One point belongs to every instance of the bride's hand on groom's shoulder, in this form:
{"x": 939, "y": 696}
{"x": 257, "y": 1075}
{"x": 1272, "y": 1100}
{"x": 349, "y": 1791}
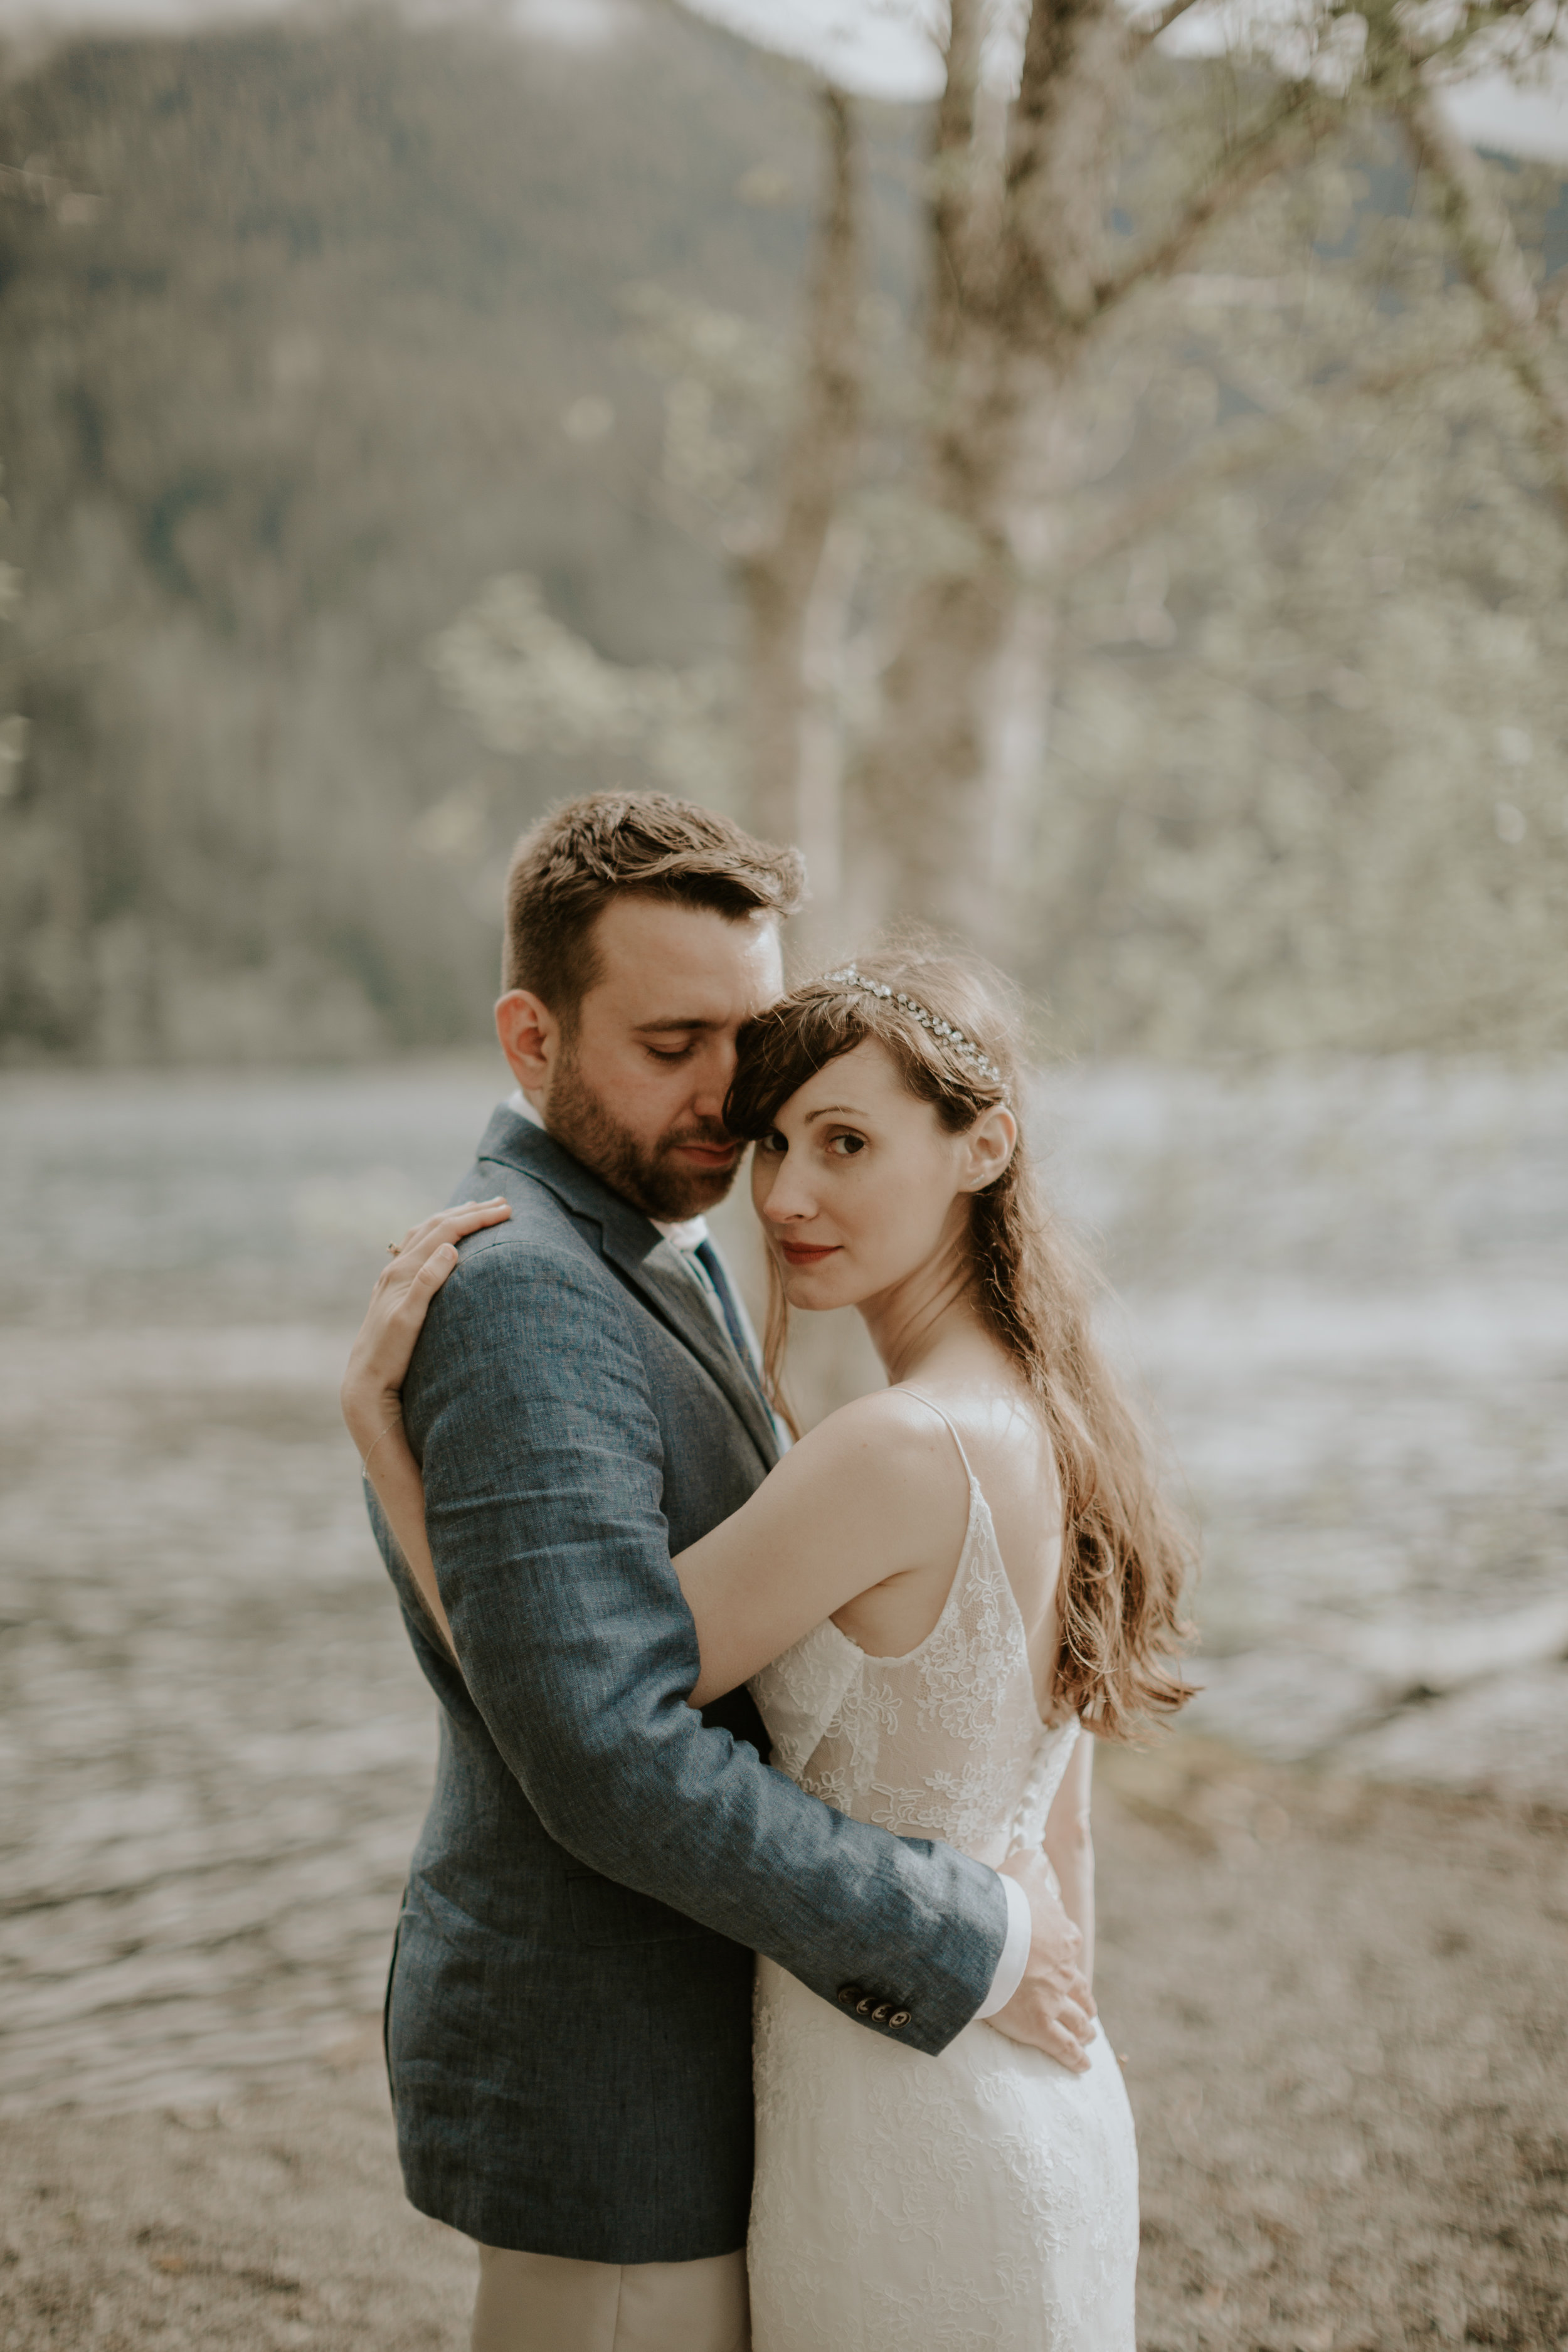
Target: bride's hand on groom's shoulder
{"x": 1053, "y": 2008}
{"x": 370, "y": 1394}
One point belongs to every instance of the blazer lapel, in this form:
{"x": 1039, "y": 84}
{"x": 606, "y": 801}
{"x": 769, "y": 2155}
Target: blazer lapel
{"x": 641, "y": 1253}
{"x": 661, "y": 1278}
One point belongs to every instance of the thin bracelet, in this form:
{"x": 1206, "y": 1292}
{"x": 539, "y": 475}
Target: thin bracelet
{"x": 396, "y": 1423}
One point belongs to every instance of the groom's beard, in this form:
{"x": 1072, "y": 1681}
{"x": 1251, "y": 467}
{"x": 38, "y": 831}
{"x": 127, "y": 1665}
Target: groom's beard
{"x": 648, "y": 1175}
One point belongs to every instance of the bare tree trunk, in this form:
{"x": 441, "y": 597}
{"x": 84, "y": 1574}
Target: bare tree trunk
{"x": 820, "y": 777}
{"x": 1487, "y": 252}
{"x": 794, "y": 581}
{"x": 949, "y": 779}
{"x": 950, "y": 776}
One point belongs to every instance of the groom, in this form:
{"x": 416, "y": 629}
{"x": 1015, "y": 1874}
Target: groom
{"x": 568, "y": 2018}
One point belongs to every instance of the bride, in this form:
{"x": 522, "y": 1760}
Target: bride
{"x": 934, "y": 1595}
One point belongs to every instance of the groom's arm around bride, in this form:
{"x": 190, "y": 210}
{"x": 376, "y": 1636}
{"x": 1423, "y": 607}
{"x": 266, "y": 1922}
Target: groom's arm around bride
{"x": 569, "y": 2016}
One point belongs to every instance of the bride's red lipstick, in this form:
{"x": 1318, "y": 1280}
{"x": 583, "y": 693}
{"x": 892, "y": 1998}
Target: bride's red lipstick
{"x": 804, "y": 1253}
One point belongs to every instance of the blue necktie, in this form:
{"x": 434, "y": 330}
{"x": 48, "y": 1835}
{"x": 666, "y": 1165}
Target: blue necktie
{"x": 713, "y": 1268}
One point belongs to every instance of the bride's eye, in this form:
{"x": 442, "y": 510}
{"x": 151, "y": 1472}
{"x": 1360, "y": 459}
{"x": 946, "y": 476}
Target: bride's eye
{"x": 847, "y": 1146}
{"x": 773, "y": 1143}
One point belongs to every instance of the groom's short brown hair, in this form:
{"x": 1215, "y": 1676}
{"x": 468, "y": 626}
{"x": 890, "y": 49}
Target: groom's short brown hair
{"x": 566, "y": 869}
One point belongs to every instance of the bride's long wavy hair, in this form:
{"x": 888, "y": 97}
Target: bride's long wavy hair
{"x": 1126, "y": 1556}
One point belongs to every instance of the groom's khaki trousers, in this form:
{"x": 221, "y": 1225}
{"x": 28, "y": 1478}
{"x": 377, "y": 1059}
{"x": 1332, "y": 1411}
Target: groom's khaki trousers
{"x": 543, "y": 2303}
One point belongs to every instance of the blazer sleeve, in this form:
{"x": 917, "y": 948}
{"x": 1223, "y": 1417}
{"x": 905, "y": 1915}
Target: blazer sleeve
{"x": 528, "y": 1405}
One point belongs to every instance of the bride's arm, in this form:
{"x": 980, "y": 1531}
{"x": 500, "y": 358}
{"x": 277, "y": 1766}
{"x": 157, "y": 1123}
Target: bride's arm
{"x": 871, "y": 1495}
{"x": 1069, "y": 1846}
{"x": 370, "y": 1394}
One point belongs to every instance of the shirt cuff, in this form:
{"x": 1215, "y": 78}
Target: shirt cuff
{"x": 1014, "y": 1956}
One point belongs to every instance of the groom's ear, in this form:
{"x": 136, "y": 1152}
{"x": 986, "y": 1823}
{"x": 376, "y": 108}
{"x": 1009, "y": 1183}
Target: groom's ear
{"x": 530, "y": 1037}
{"x": 989, "y": 1147}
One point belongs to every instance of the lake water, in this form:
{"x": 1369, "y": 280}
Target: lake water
{"x": 1346, "y": 1288}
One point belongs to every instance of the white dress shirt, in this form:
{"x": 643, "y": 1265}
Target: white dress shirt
{"x": 686, "y": 1237}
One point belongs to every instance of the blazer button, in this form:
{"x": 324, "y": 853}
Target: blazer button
{"x": 863, "y": 2006}
{"x": 850, "y": 1995}
{"x": 899, "y": 2016}
{"x": 879, "y": 2015}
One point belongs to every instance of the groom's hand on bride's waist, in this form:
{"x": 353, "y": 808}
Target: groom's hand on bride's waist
{"x": 1053, "y": 2007}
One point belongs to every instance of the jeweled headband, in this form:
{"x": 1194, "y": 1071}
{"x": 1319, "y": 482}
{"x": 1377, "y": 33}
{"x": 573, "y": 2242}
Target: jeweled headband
{"x": 953, "y": 1039}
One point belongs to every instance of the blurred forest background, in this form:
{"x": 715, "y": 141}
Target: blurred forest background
{"x": 405, "y": 423}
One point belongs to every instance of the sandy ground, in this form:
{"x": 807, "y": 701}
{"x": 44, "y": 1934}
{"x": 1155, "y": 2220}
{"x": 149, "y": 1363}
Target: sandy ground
{"x": 1343, "y": 2011}
{"x": 1341, "y": 2001}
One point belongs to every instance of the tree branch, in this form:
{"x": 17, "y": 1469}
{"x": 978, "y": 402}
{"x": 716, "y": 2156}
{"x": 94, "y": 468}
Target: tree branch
{"x": 1143, "y": 34}
{"x": 1243, "y": 448}
{"x": 1286, "y": 137}
{"x": 951, "y": 176}
{"x": 1487, "y": 252}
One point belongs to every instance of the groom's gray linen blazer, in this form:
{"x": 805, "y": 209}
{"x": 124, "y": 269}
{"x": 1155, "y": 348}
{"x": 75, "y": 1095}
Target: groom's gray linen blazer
{"x": 568, "y": 2017}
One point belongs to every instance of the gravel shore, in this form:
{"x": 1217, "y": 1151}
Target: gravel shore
{"x": 1344, "y": 2013}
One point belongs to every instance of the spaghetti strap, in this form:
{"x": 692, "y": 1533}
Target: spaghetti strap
{"x": 904, "y": 1390}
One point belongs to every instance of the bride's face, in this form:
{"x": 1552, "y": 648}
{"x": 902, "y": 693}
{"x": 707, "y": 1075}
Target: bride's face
{"x": 860, "y": 1186}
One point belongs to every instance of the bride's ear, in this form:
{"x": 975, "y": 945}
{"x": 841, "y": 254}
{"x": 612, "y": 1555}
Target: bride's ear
{"x": 989, "y": 1147}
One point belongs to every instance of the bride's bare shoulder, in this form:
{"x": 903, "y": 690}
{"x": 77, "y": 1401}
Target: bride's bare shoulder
{"x": 889, "y": 1442}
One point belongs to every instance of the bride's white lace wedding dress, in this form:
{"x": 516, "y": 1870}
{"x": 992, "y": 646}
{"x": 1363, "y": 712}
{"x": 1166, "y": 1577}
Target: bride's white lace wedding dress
{"x": 985, "y": 2200}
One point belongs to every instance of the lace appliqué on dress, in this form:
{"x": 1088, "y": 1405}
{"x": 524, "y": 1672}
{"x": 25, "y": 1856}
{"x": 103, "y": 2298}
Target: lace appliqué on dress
{"x": 851, "y": 1727}
{"x": 984, "y": 2200}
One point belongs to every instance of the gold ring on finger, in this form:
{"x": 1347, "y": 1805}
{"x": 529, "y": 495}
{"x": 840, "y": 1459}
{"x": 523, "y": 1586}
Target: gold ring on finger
{"x": 394, "y": 1249}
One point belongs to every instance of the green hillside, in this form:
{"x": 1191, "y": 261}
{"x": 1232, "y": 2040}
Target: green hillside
{"x": 267, "y": 419}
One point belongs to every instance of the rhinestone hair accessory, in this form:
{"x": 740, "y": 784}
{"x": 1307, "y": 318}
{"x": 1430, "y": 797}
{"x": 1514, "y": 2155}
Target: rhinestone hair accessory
{"x": 965, "y": 1049}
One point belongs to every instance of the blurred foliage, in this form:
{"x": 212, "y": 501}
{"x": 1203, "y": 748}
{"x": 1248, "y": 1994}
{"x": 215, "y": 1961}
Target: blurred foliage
{"x": 380, "y": 437}
{"x": 531, "y": 686}
{"x": 340, "y": 340}
{"x": 1308, "y": 779}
